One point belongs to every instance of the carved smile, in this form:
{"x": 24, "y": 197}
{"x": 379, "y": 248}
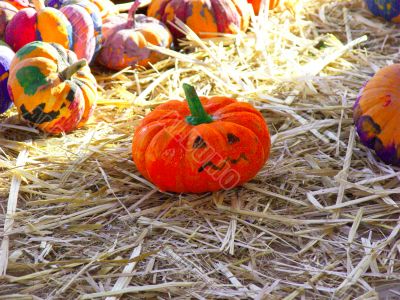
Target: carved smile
{"x": 229, "y": 160}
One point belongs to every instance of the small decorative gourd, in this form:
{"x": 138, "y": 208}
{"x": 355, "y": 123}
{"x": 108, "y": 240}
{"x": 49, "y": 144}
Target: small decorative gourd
{"x": 91, "y": 9}
{"x": 201, "y": 145}
{"x": 6, "y": 56}
{"x": 388, "y": 9}
{"x": 257, "y": 5}
{"x": 7, "y": 12}
{"x": 39, "y": 24}
{"x": 376, "y": 114}
{"x": 84, "y": 38}
{"x": 126, "y": 38}
{"x": 71, "y": 27}
{"x": 51, "y": 88}
{"x": 204, "y": 17}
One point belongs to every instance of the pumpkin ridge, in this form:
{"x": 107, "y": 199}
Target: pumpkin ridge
{"x": 266, "y": 147}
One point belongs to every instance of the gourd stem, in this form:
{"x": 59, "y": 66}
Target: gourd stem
{"x": 131, "y": 14}
{"x": 198, "y": 113}
{"x": 39, "y": 4}
{"x": 68, "y": 72}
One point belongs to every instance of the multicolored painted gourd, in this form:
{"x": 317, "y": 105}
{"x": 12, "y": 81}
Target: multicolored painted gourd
{"x": 7, "y": 12}
{"x": 204, "y": 17}
{"x": 6, "y": 56}
{"x": 51, "y": 88}
{"x": 257, "y": 5}
{"x": 376, "y": 114}
{"x": 71, "y": 26}
{"x": 84, "y": 38}
{"x": 39, "y": 24}
{"x": 91, "y": 9}
{"x": 126, "y": 38}
{"x": 201, "y": 145}
{"x": 388, "y": 9}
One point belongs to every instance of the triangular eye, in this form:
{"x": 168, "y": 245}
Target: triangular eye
{"x": 232, "y": 139}
{"x": 199, "y": 143}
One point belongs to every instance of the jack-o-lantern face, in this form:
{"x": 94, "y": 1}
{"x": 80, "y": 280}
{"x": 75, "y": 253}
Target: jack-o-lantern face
{"x": 201, "y": 145}
{"x": 376, "y": 114}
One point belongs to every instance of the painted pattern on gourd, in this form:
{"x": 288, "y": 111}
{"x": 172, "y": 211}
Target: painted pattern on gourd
{"x": 51, "y": 88}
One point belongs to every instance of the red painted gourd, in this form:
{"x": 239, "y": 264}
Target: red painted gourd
{"x": 204, "y": 17}
{"x": 126, "y": 38}
{"x": 39, "y": 24}
{"x": 51, "y": 88}
{"x": 201, "y": 145}
{"x": 7, "y": 12}
{"x": 71, "y": 27}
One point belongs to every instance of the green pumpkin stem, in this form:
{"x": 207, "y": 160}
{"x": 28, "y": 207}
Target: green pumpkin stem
{"x": 68, "y": 72}
{"x": 199, "y": 115}
{"x": 131, "y": 14}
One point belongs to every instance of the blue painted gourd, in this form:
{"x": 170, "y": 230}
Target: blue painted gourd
{"x": 388, "y": 9}
{"x": 6, "y": 56}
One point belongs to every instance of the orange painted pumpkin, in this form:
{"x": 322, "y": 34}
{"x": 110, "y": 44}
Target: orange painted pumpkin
{"x": 202, "y": 144}
{"x": 257, "y": 4}
{"x": 376, "y": 114}
{"x": 126, "y": 38}
{"x": 50, "y": 88}
{"x": 204, "y": 17}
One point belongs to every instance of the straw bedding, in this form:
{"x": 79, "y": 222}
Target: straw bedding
{"x": 320, "y": 221}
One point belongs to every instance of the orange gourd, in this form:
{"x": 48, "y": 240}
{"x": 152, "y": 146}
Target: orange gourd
{"x": 201, "y": 144}
{"x": 204, "y": 17}
{"x": 377, "y": 112}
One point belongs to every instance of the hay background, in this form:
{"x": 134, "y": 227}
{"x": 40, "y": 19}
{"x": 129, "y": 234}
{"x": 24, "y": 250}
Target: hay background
{"x": 320, "y": 221}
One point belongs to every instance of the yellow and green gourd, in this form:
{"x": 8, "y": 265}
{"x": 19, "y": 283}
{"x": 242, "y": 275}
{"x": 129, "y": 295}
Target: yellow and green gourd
{"x": 51, "y": 88}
